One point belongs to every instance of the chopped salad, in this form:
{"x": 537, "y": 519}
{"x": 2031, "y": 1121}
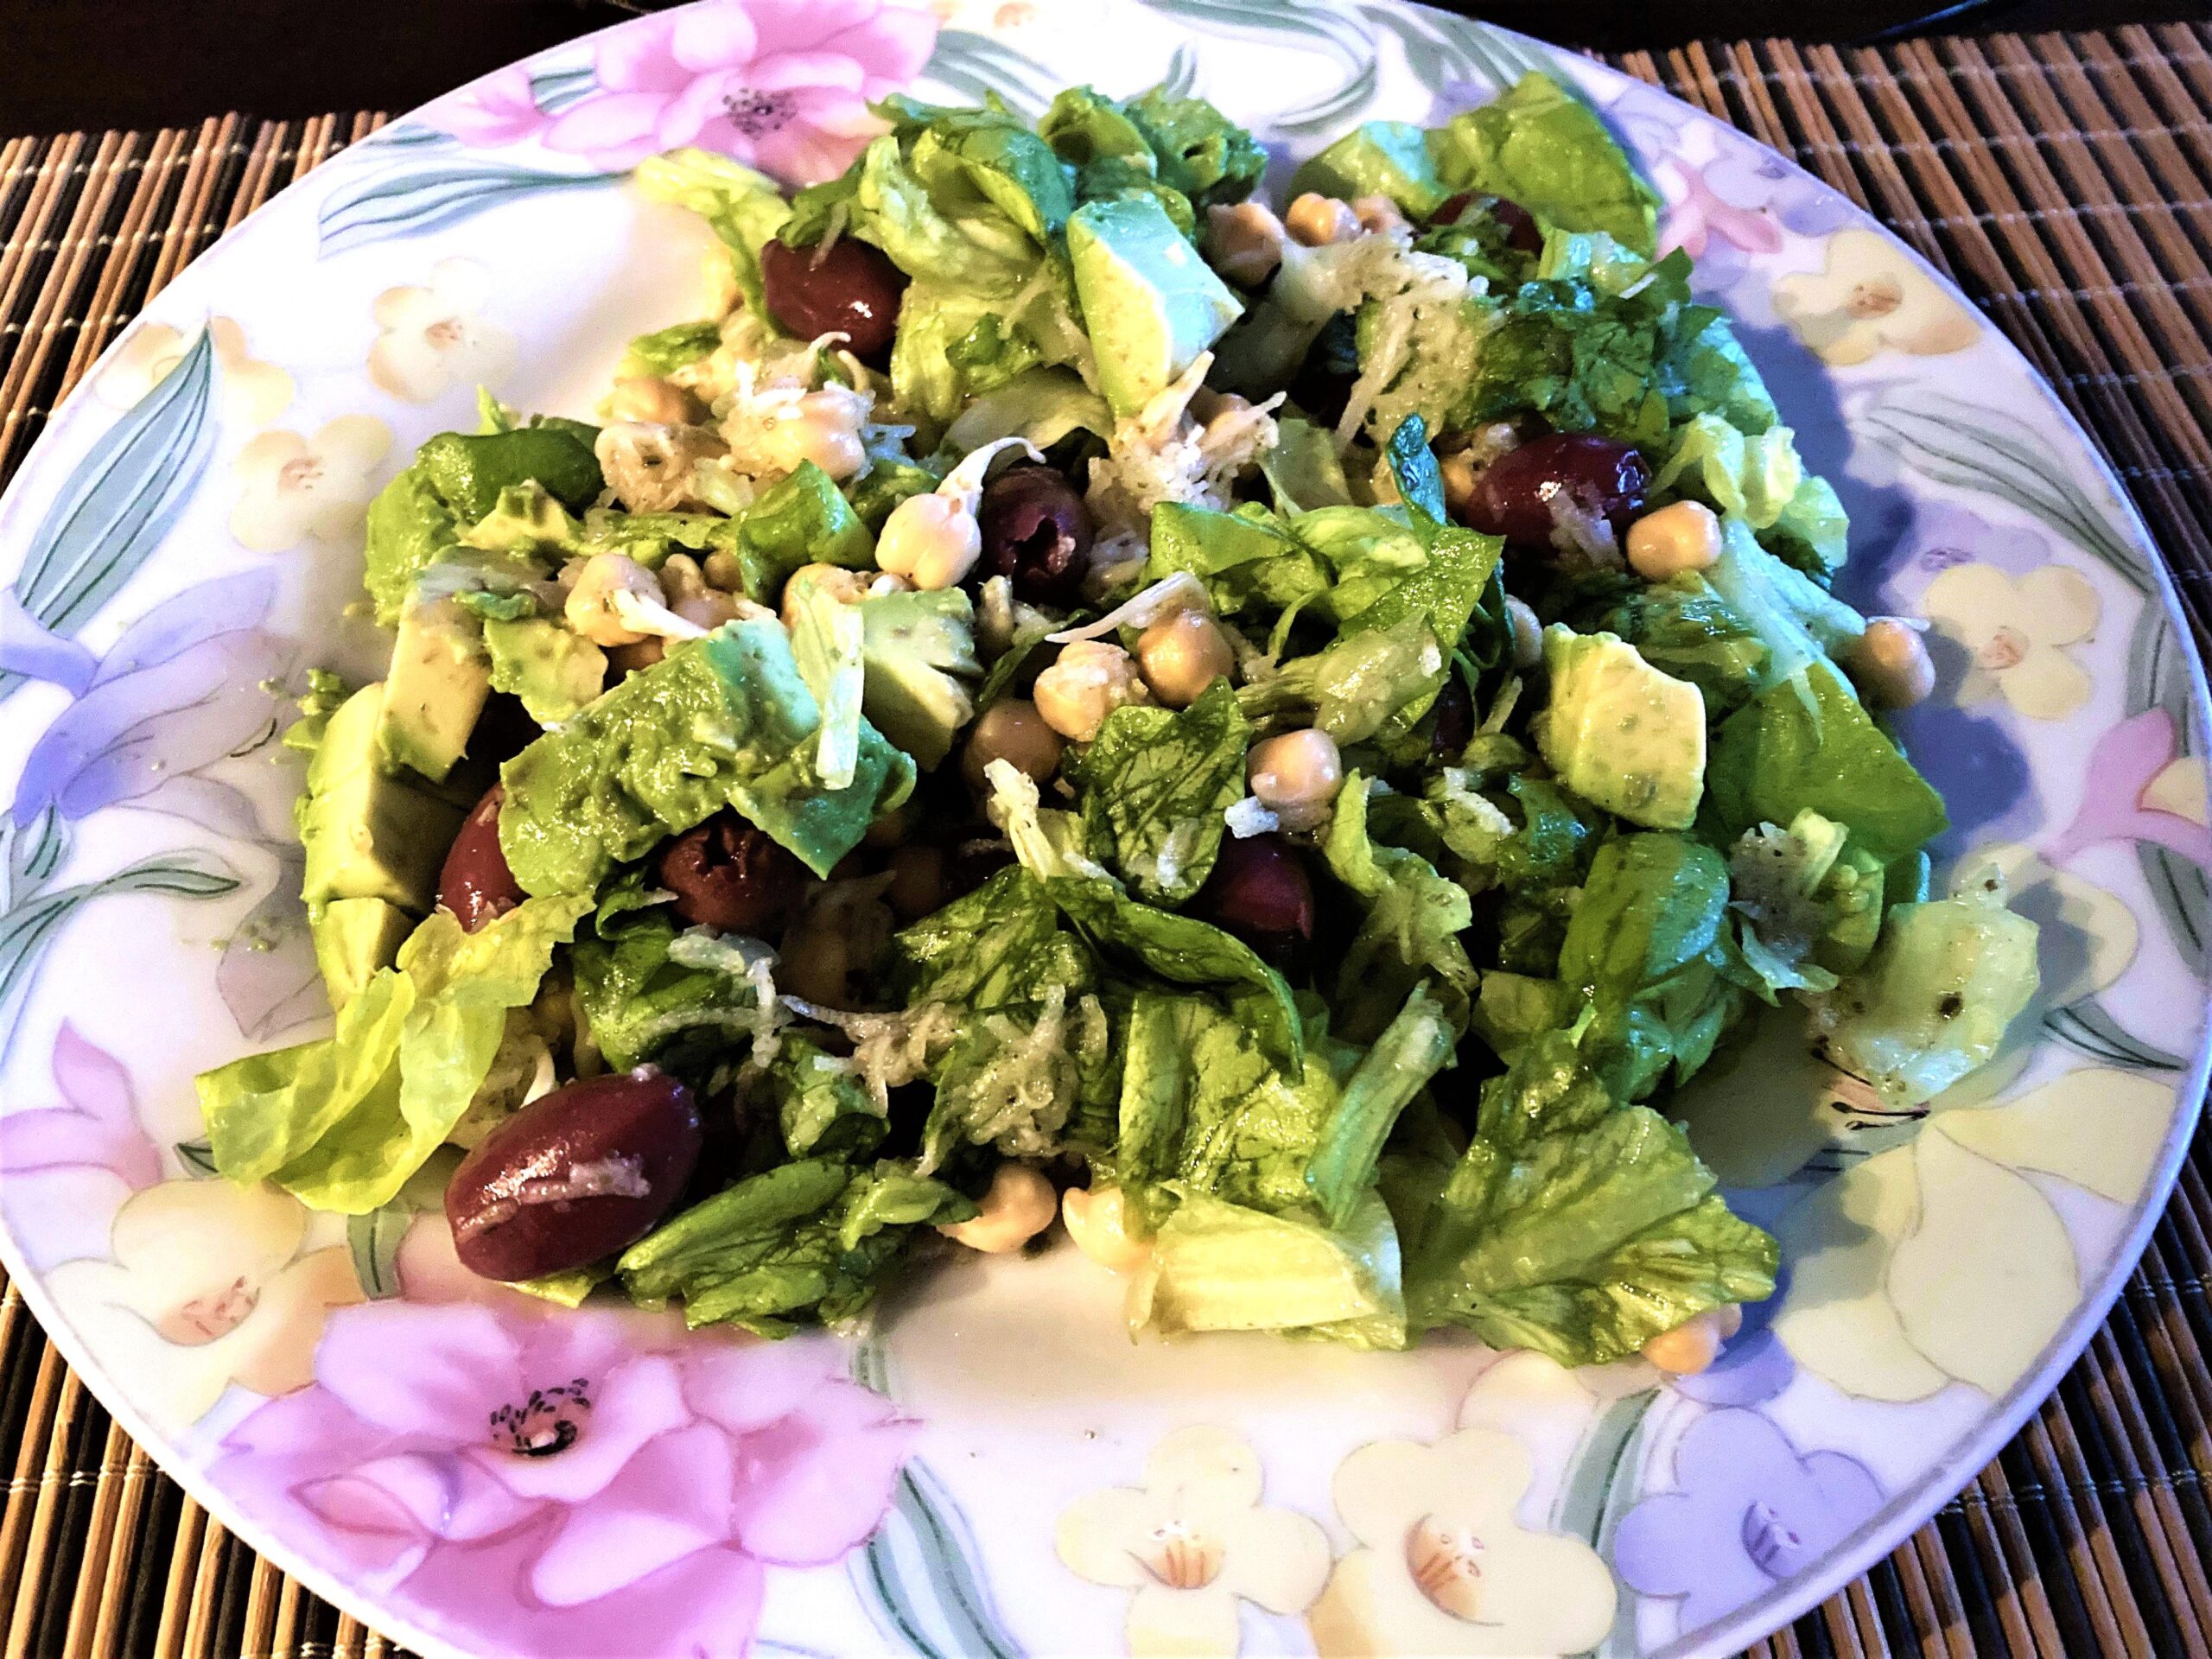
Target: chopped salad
{"x": 1278, "y": 736}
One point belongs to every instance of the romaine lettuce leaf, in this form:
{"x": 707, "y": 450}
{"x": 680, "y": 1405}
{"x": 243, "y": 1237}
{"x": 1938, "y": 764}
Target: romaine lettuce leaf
{"x": 823, "y": 1107}
{"x": 1538, "y": 144}
{"x": 743, "y": 208}
{"x": 997, "y": 947}
{"x": 808, "y": 1242}
{"x": 1576, "y": 1227}
{"x": 642, "y": 1000}
{"x": 1410, "y": 933}
{"x": 1412, "y": 1049}
{"x": 1248, "y": 559}
{"x": 1932, "y": 1003}
{"x": 1155, "y": 785}
{"x": 1641, "y": 946}
{"x": 1185, "y": 950}
{"x": 341, "y": 1124}
{"x": 1799, "y": 621}
{"x": 1806, "y": 744}
{"x": 665, "y": 350}
{"x": 1206, "y": 1108}
{"x": 1218, "y": 1266}
{"x": 1372, "y": 682}
{"x": 723, "y": 720}
{"x": 827, "y": 639}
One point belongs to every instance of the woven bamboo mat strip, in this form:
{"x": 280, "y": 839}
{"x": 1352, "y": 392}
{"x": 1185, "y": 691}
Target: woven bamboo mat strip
{"x": 2064, "y": 180}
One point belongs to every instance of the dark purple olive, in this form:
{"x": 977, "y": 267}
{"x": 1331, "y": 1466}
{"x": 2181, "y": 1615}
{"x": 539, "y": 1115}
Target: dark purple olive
{"x": 1544, "y": 486}
{"x": 1037, "y": 531}
{"x": 848, "y": 288}
{"x": 1259, "y": 892}
{"x": 1522, "y": 233}
{"x": 728, "y": 875}
{"x": 1455, "y": 718}
{"x": 475, "y": 883}
{"x": 573, "y": 1176}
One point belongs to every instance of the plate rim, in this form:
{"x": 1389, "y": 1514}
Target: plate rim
{"x": 1901, "y": 1516}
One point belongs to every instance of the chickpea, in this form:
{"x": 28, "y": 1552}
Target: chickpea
{"x": 1089, "y": 681}
{"x": 725, "y": 570}
{"x": 1692, "y": 1346}
{"x": 690, "y": 596}
{"x": 845, "y": 586}
{"x": 648, "y": 397}
{"x": 1097, "y": 1220}
{"x": 1245, "y": 241}
{"x": 1182, "y": 655}
{"x": 1459, "y": 473}
{"x": 1528, "y": 634}
{"x": 1012, "y": 730}
{"x": 1296, "y": 776}
{"x": 932, "y": 540}
{"x": 1890, "y": 661}
{"x": 917, "y": 881}
{"x": 622, "y": 661}
{"x": 1683, "y": 536}
{"x": 823, "y": 427}
{"x": 590, "y": 609}
{"x": 1378, "y": 213}
{"x": 1019, "y": 1206}
{"x": 1317, "y": 220}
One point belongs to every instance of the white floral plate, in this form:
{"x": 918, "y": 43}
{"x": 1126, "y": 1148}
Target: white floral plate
{"x": 997, "y": 1471}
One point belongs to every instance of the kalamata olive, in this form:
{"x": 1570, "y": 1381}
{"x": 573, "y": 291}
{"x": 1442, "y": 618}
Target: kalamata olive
{"x": 475, "y": 883}
{"x": 1522, "y": 233}
{"x": 1037, "y": 531}
{"x": 728, "y": 875}
{"x": 1561, "y": 483}
{"x": 848, "y": 287}
{"x": 1259, "y": 892}
{"x": 1455, "y": 718}
{"x": 573, "y": 1176}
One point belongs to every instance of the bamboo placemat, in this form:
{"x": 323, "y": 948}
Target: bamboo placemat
{"x": 2066, "y": 183}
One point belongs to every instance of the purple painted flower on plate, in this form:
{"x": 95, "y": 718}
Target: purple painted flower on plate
{"x": 95, "y": 1128}
{"x": 564, "y": 1482}
{"x": 780, "y": 85}
{"x": 185, "y": 687}
{"x": 1751, "y": 1512}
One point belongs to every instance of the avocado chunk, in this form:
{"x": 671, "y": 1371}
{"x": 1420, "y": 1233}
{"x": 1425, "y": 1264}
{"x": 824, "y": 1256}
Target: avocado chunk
{"x": 554, "y": 672}
{"x": 1621, "y": 734}
{"x": 353, "y": 938}
{"x": 439, "y": 681}
{"x": 1378, "y": 158}
{"x": 1151, "y": 305}
{"x": 369, "y": 833}
{"x": 915, "y": 651}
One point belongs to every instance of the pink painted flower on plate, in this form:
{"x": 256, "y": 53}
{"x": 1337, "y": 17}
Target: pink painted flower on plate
{"x": 560, "y": 1483}
{"x": 500, "y": 109}
{"x": 781, "y": 84}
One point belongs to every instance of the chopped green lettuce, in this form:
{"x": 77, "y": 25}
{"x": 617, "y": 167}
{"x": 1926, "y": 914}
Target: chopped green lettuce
{"x": 1409, "y": 935}
{"x": 723, "y": 721}
{"x": 1155, "y": 785}
{"x": 646, "y": 996}
{"x": 666, "y": 350}
{"x": 1575, "y": 1226}
{"x": 1218, "y": 1266}
{"x": 743, "y": 208}
{"x": 1642, "y": 948}
{"x": 1538, "y": 144}
{"x": 342, "y": 1122}
{"x": 1805, "y": 744}
{"x": 1378, "y": 158}
{"x": 1933, "y": 1001}
{"x": 807, "y": 1243}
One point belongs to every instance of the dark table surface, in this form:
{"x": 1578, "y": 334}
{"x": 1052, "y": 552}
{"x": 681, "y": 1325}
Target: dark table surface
{"x": 98, "y": 64}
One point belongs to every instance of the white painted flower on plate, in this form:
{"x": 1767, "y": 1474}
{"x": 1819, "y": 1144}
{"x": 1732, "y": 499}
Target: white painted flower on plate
{"x": 1192, "y": 1542}
{"x": 434, "y": 338}
{"x": 291, "y": 487}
